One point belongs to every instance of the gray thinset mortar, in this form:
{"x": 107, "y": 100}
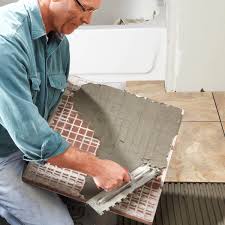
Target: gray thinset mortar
{"x": 131, "y": 129}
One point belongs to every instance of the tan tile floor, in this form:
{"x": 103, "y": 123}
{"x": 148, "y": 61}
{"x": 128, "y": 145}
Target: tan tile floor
{"x": 197, "y": 106}
{"x": 220, "y": 102}
{"x": 199, "y": 155}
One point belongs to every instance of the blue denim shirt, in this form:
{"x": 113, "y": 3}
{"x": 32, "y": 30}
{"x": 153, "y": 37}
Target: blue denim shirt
{"x": 33, "y": 75}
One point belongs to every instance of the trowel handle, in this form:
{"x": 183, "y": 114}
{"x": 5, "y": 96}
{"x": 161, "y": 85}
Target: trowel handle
{"x": 127, "y": 170}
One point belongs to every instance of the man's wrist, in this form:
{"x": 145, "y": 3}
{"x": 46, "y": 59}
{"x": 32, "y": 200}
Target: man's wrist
{"x": 76, "y": 159}
{"x": 91, "y": 164}
{"x": 95, "y": 167}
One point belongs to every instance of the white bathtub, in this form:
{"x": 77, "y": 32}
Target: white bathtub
{"x": 105, "y": 53}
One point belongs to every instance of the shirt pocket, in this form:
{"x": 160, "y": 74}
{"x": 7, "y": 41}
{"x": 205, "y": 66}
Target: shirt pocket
{"x": 57, "y": 85}
{"x": 35, "y": 87}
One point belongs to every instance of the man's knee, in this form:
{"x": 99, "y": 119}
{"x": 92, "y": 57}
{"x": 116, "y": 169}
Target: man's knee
{"x": 53, "y": 211}
{"x": 31, "y": 205}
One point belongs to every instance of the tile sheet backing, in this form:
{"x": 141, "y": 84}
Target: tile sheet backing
{"x": 140, "y": 206}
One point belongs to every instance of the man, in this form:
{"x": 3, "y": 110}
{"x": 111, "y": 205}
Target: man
{"x": 34, "y": 67}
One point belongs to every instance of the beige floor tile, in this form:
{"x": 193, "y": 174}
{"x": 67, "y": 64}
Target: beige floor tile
{"x": 153, "y": 89}
{"x": 199, "y": 155}
{"x": 198, "y": 106}
{"x": 223, "y": 124}
{"x": 220, "y": 102}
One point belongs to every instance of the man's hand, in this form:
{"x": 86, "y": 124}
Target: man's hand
{"x": 107, "y": 174}
{"x": 111, "y": 175}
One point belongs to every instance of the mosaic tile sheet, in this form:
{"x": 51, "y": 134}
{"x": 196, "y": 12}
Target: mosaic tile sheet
{"x": 140, "y": 205}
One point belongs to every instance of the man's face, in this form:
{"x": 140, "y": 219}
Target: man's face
{"x": 67, "y": 15}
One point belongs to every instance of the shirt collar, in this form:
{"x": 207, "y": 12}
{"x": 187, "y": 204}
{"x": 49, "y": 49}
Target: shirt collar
{"x": 59, "y": 36}
{"x": 36, "y": 21}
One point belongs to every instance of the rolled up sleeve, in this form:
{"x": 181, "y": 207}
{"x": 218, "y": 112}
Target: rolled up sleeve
{"x": 18, "y": 114}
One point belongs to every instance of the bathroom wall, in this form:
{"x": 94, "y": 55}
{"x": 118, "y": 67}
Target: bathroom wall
{"x": 114, "y": 54}
{"x": 111, "y": 10}
{"x": 196, "y": 45}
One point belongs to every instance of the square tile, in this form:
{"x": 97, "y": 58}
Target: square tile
{"x": 130, "y": 128}
{"x": 199, "y": 155}
{"x": 153, "y": 89}
{"x": 220, "y": 102}
{"x": 198, "y": 106}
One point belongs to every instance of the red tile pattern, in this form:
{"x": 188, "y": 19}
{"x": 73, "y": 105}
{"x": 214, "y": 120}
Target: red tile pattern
{"x": 141, "y": 205}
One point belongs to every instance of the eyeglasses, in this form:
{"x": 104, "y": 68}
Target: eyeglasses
{"x": 83, "y": 8}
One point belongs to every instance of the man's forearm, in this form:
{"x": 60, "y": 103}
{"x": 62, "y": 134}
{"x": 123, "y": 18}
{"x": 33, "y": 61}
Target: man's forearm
{"x": 75, "y": 159}
{"x": 107, "y": 174}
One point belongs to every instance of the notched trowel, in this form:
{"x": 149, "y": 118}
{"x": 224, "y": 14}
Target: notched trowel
{"x": 141, "y": 175}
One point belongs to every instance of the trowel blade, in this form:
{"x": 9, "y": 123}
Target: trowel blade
{"x": 104, "y": 200}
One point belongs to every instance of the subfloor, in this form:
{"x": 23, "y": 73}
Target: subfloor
{"x": 180, "y": 204}
{"x": 199, "y": 155}
{"x": 188, "y": 204}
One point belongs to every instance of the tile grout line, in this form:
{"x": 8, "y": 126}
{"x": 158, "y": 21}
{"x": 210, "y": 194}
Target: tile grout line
{"x": 218, "y": 114}
{"x": 201, "y": 121}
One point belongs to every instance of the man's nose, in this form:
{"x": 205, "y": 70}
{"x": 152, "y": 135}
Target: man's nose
{"x": 87, "y": 18}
